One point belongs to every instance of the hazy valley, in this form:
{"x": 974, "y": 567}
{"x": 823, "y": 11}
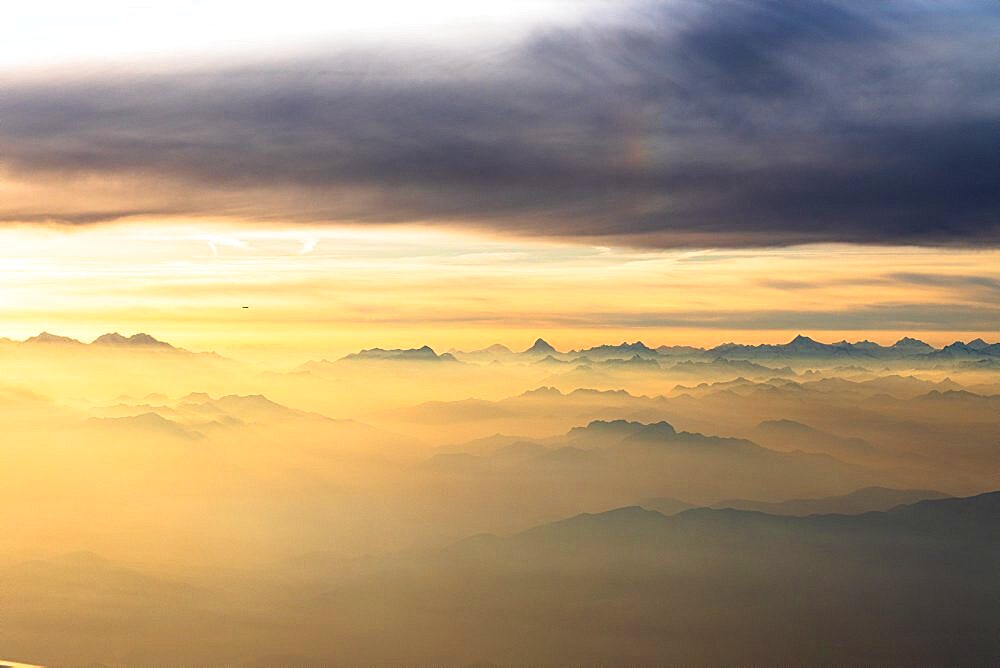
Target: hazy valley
{"x": 615, "y": 504}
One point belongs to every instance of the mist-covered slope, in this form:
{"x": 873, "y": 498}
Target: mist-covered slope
{"x": 915, "y": 585}
{"x": 859, "y": 501}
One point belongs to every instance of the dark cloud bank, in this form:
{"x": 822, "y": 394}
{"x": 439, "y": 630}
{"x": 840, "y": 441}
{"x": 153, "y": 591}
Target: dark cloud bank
{"x": 682, "y": 123}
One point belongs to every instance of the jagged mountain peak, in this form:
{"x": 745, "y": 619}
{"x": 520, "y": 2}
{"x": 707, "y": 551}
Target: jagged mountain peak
{"x": 540, "y": 346}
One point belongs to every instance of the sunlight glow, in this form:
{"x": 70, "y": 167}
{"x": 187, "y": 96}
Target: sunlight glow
{"x": 61, "y": 32}
{"x": 188, "y": 281}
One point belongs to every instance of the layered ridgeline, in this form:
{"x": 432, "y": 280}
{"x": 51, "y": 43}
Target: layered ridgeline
{"x": 312, "y": 512}
{"x": 859, "y": 501}
{"x": 914, "y": 585}
{"x": 608, "y": 463}
{"x": 799, "y": 348}
{"x": 905, "y": 431}
{"x": 638, "y": 367}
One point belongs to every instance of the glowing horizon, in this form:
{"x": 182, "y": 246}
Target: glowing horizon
{"x": 325, "y": 289}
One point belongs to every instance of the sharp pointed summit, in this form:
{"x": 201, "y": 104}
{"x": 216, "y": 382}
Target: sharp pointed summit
{"x": 540, "y": 347}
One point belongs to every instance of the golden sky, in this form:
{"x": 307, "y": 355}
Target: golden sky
{"x": 327, "y": 290}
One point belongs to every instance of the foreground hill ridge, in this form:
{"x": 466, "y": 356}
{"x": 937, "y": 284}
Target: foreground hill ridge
{"x": 862, "y": 500}
{"x": 919, "y": 577}
{"x": 983, "y": 507}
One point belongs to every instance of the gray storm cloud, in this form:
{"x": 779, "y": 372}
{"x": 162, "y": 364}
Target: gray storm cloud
{"x": 682, "y": 123}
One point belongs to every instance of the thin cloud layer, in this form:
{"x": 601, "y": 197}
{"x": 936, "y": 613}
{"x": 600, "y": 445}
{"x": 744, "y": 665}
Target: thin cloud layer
{"x": 724, "y": 123}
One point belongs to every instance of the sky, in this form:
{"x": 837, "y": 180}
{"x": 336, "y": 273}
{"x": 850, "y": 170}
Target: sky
{"x": 319, "y": 291}
{"x": 394, "y": 173}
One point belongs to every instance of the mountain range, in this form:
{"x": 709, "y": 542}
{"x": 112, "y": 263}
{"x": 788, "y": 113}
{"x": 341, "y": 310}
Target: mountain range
{"x": 613, "y": 461}
{"x": 140, "y": 340}
{"x": 422, "y": 354}
{"x": 800, "y": 347}
{"x": 638, "y": 353}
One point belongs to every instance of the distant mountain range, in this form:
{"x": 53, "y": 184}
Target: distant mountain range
{"x": 975, "y": 353}
{"x": 108, "y": 343}
{"x": 805, "y": 347}
{"x": 638, "y": 354}
{"x": 140, "y": 340}
{"x": 422, "y": 354}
